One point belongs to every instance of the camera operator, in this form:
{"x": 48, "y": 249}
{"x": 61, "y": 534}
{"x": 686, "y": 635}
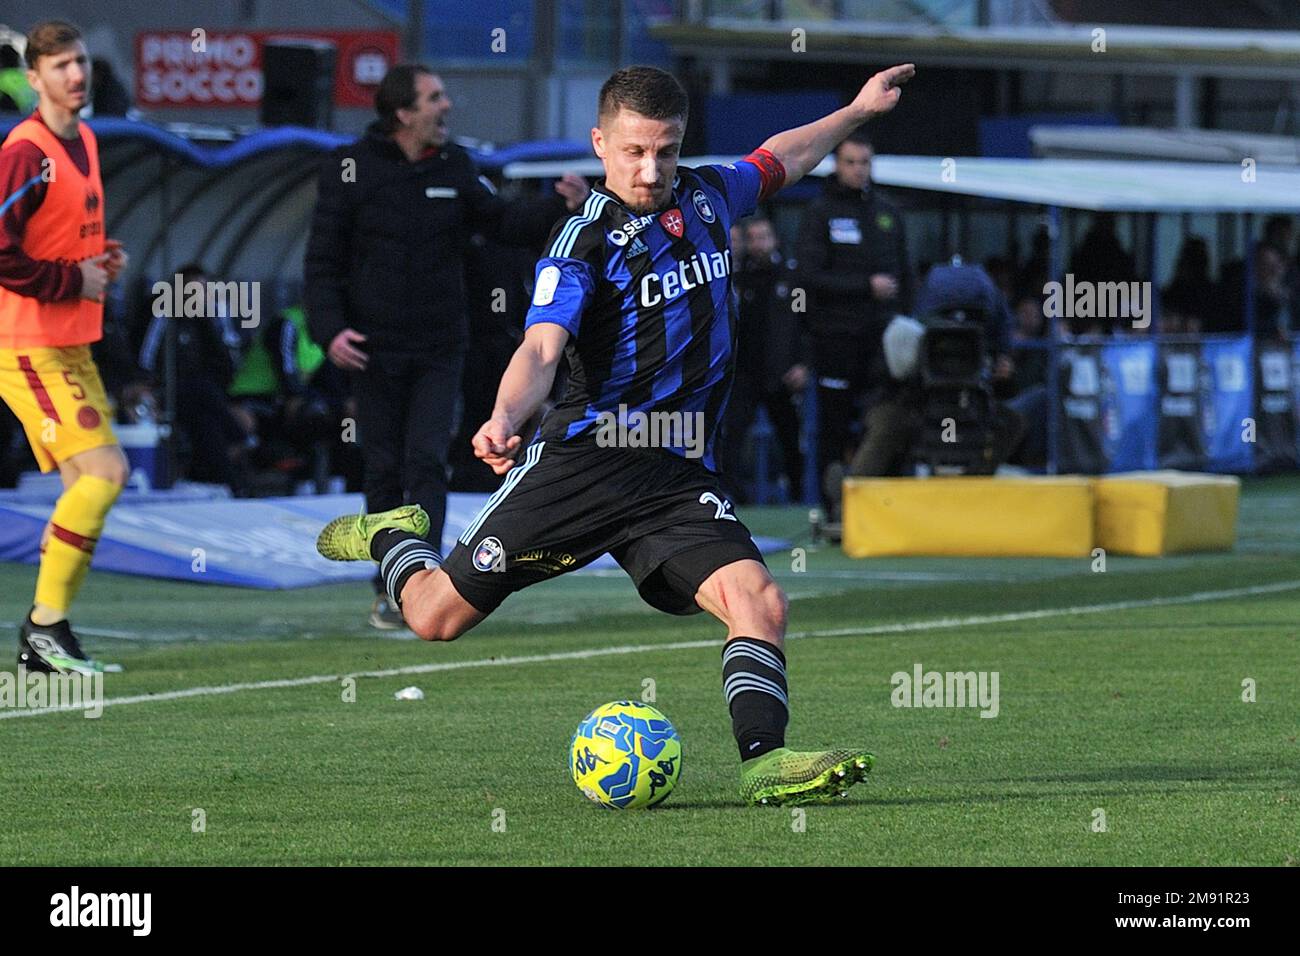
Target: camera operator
{"x": 895, "y": 415}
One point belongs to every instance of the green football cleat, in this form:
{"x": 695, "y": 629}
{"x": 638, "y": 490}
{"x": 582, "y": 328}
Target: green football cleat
{"x": 348, "y": 538}
{"x": 788, "y": 778}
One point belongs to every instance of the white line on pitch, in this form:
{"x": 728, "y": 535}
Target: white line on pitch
{"x": 901, "y": 627}
{"x": 92, "y": 631}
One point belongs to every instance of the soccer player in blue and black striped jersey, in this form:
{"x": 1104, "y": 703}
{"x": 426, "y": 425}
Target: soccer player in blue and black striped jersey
{"x": 635, "y": 289}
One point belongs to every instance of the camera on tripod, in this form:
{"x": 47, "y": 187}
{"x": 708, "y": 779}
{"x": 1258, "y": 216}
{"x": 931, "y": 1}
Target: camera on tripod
{"x": 959, "y": 416}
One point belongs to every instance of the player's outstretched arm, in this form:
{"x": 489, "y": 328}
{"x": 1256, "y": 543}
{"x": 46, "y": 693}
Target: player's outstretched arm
{"x": 802, "y": 148}
{"x": 524, "y": 386}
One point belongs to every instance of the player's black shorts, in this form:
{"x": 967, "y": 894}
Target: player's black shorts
{"x": 664, "y": 519}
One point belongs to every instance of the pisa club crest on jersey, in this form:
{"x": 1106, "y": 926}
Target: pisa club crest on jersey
{"x": 703, "y": 206}
{"x": 672, "y": 221}
{"x": 487, "y": 556}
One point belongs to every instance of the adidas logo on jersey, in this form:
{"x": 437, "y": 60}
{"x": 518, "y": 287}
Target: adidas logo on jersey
{"x": 637, "y": 248}
{"x": 629, "y": 229}
{"x": 697, "y": 270}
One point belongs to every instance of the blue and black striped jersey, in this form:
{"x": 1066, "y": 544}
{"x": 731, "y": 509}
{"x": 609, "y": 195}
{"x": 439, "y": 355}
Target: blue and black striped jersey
{"x": 647, "y": 301}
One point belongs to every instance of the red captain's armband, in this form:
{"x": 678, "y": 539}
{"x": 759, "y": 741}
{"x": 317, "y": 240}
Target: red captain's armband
{"x": 770, "y": 170}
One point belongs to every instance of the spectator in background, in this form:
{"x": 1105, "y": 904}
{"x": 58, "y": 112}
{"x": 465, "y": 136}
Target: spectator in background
{"x": 852, "y": 260}
{"x": 385, "y": 286}
{"x": 1028, "y": 326}
{"x": 290, "y": 401}
{"x": 1100, "y": 258}
{"x": 1279, "y": 232}
{"x": 1187, "y": 301}
{"x": 1025, "y": 392}
{"x": 737, "y": 237}
{"x": 770, "y": 365}
{"x": 207, "y": 353}
{"x": 1273, "y": 295}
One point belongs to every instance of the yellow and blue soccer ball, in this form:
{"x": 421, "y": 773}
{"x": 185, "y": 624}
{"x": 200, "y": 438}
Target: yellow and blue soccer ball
{"x": 626, "y": 756}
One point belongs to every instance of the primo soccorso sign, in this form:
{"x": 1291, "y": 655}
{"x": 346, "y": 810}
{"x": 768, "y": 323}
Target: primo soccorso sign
{"x": 208, "y": 68}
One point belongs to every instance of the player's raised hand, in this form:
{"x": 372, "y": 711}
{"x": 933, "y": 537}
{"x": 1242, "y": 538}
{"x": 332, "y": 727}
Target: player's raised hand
{"x": 494, "y": 444}
{"x": 574, "y": 189}
{"x": 881, "y": 93}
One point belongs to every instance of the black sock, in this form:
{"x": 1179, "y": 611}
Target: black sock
{"x": 753, "y": 680}
{"x": 401, "y": 554}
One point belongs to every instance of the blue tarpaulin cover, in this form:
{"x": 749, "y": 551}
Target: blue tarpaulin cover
{"x": 267, "y": 543}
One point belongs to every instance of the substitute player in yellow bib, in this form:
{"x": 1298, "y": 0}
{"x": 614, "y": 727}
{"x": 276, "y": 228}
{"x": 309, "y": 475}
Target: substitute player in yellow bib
{"x": 55, "y": 264}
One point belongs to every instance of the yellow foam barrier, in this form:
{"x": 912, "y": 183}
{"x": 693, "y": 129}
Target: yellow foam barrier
{"x": 1154, "y": 513}
{"x": 968, "y": 517}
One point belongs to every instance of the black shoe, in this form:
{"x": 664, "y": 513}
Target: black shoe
{"x": 54, "y": 649}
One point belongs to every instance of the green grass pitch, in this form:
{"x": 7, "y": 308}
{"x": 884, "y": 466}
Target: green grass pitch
{"x": 1120, "y": 700}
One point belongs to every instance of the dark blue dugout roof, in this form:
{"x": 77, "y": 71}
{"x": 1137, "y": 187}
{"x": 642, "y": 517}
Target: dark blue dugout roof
{"x": 297, "y": 137}
{"x": 112, "y": 129}
{"x": 240, "y": 204}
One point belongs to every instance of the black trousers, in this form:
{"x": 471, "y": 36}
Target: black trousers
{"x": 406, "y": 406}
{"x": 842, "y": 364}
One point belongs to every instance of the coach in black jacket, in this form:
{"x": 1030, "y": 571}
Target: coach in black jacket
{"x": 852, "y": 259}
{"x": 385, "y": 286}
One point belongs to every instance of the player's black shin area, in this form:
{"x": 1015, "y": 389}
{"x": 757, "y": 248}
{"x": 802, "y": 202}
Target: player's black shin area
{"x": 402, "y": 554}
{"x": 753, "y": 680}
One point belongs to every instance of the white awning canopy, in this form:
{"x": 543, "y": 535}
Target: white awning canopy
{"x": 1168, "y": 145}
{"x": 1113, "y": 185}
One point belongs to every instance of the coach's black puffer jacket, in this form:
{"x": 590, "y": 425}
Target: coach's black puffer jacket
{"x": 385, "y": 255}
{"x": 845, "y": 236}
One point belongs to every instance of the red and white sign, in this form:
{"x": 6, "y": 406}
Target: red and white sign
{"x": 213, "y": 68}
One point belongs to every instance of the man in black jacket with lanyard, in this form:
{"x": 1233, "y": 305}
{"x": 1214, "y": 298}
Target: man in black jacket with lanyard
{"x": 852, "y": 259}
{"x": 385, "y": 287}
